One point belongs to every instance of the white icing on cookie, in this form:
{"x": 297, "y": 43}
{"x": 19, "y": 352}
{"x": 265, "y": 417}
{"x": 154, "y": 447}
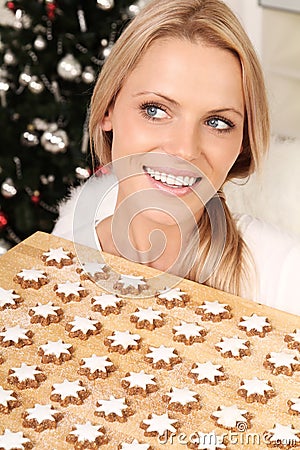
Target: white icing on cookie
{"x": 31, "y": 274}
{"x": 92, "y": 268}
{"x": 5, "y": 396}
{"x": 135, "y": 445}
{"x": 67, "y": 388}
{"x": 284, "y": 434}
{"x": 209, "y": 441}
{"x": 69, "y": 288}
{"x": 13, "y": 441}
{"x": 171, "y": 294}
{"x": 208, "y": 371}
{"x": 106, "y": 300}
{"x": 14, "y": 334}
{"x": 56, "y": 254}
{"x": 132, "y": 281}
{"x": 87, "y": 432}
{"x": 83, "y": 324}
{"x": 160, "y": 424}
{"x": 296, "y": 404}
{"x": 56, "y": 348}
{"x": 113, "y": 405}
{"x": 233, "y": 345}
{"x": 282, "y": 359}
{"x": 254, "y": 322}
{"x": 214, "y": 307}
{"x": 256, "y": 386}
{"x": 161, "y": 353}
{"x": 148, "y": 314}
{"x": 25, "y": 372}
{"x": 7, "y": 297}
{"x": 182, "y": 396}
{"x": 96, "y": 363}
{"x": 124, "y": 338}
{"x": 45, "y": 310}
{"x": 139, "y": 379}
{"x": 188, "y": 329}
{"x": 230, "y": 416}
{"x": 41, "y": 413}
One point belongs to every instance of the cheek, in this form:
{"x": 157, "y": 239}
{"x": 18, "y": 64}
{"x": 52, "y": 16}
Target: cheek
{"x": 229, "y": 151}
{"x": 226, "y": 166}
{"x": 222, "y": 159}
{"x": 229, "y": 160}
{"x": 122, "y": 139}
{"x": 129, "y": 137}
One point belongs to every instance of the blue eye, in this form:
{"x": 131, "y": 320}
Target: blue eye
{"x": 152, "y": 111}
{"x": 219, "y": 124}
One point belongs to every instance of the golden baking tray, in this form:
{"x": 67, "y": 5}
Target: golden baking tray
{"x": 255, "y": 434}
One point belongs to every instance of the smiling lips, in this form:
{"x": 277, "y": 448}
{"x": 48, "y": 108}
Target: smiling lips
{"x": 168, "y": 179}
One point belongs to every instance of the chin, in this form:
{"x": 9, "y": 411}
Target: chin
{"x": 161, "y": 218}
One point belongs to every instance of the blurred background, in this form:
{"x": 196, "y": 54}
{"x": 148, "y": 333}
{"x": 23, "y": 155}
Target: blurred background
{"x": 50, "y": 54}
{"x": 273, "y": 195}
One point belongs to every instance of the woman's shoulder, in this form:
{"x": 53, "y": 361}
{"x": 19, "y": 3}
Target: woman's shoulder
{"x": 85, "y": 204}
{"x": 260, "y": 231}
{"x": 276, "y": 254}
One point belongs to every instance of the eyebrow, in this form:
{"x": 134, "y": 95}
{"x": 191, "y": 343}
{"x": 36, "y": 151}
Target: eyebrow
{"x": 175, "y": 103}
{"x": 222, "y": 110}
{"x": 138, "y": 94}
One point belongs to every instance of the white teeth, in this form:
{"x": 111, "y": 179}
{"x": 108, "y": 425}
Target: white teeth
{"x": 179, "y": 181}
{"x": 186, "y": 181}
{"x": 163, "y": 178}
{"x": 170, "y": 179}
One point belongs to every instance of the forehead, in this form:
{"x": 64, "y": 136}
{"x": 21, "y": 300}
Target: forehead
{"x": 178, "y": 66}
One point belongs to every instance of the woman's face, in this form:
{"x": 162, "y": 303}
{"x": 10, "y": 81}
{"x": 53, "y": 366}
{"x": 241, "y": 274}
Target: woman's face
{"x": 181, "y": 113}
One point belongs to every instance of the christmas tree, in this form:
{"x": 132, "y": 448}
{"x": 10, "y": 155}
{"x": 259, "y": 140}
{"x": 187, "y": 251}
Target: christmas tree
{"x": 49, "y": 60}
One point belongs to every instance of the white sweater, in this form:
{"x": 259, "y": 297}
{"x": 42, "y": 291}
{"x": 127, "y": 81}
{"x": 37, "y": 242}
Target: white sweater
{"x": 276, "y": 254}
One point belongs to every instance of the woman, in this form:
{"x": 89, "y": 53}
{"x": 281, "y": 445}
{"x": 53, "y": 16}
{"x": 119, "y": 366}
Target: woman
{"x": 179, "y": 109}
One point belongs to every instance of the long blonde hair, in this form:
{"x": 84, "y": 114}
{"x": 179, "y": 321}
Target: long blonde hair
{"x": 212, "y": 22}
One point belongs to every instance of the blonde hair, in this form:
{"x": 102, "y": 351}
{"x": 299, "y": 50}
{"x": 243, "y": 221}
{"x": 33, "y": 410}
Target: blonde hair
{"x": 212, "y": 22}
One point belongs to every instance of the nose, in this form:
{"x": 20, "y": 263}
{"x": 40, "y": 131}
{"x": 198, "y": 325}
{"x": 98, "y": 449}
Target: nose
{"x": 184, "y": 141}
